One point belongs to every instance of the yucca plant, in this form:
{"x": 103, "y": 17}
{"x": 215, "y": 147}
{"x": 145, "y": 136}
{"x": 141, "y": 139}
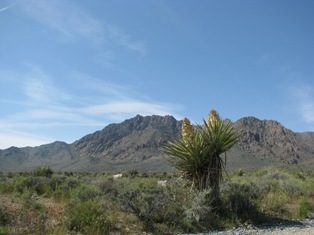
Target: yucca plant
{"x": 197, "y": 154}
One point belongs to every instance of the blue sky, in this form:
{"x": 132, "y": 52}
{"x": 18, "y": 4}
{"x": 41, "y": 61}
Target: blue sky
{"x": 68, "y": 68}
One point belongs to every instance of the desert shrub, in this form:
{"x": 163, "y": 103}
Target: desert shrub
{"x": 4, "y": 230}
{"x": 44, "y": 171}
{"x": 301, "y": 175}
{"x": 63, "y": 188}
{"x": 281, "y": 182}
{"x": 4, "y": 216}
{"x": 72, "y": 182}
{"x": 240, "y": 173}
{"x": 20, "y": 184}
{"x": 84, "y": 193}
{"x": 57, "y": 181}
{"x": 62, "y": 193}
{"x": 198, "y": 211}
{"x": 239, "y": 201}
{"x": 155, "y": 206}
{"x": 132, "y": 173}
{"x": 6, "y": 187}
{"x": 275, "y": 203}
{"x": 144, "y": 175}
{"x": 114, "y": 188}
{"x": 277, "y": 175}
{"x": 292, "y": 187}
{"x": 68, "y": 173}
{"x": 263, "y": 171}
{"x": 40, "y": 185}
{"x": 110, "y": 187}
{"x": 30, "y": 200}
{"x": 89, "y": 217}
{"x": 304, "y": 208}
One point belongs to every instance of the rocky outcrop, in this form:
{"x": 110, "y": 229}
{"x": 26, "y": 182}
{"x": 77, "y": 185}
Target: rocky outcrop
{"x": 267, "y": 139}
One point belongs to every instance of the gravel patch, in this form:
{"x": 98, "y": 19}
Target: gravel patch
{"x": 303, "y": 227}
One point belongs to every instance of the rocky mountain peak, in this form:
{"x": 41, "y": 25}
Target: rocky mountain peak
{"x": 267, "y": 138}
{"x": 141, "y": 122}
{"x": 137, "y": 138}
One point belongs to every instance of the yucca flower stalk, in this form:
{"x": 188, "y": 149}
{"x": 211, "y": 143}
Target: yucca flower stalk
{"x": 213, "y": 117}
{"x": 186, "y": 130}
{"x": 197, "y": 154}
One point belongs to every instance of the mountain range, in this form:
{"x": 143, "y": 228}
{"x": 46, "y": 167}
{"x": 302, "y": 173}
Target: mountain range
{"x": 137, "y": 143}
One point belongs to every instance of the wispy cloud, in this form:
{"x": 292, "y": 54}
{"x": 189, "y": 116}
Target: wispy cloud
{"x": 20, "y": 139}
{"x": 129, "y": 106}
{"x": 76, "y": 23}
{"x": 6, "y": 7}
{"x": 88, "y": 102}
{"x": 305, "y": 102}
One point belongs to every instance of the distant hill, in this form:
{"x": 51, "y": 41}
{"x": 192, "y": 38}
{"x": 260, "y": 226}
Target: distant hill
{"x": 137, "y": 144}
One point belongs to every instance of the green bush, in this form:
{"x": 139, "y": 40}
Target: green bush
{"x": 4, "y": 230}
{"x": 72, "y": 182}
{"x": 40, "y": 185}
{"x": 239, "y": 201}
{"x": 132, "y": 173}
{"x": 30, "y": 200}
{"x": 292, "y": 187}
{"x": 4, "y": 216}
{"x": 6, "y": 187}
{"x": 155, "y": 206}
{"x": 85, "y": 193}
{"x": 44, "y": 171}
{"x": 88, "y": 217}
{"x": 305, "y": 208}
{"x": 240, "y": 173}
{"x": 275, "y": 203}
{"x": 281, "y": 182}
{"x": 63, "y": 187}
{"x": 57, "y": 181}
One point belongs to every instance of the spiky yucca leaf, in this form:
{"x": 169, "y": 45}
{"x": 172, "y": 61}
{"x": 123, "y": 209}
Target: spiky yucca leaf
{"x": 188, "y": 155}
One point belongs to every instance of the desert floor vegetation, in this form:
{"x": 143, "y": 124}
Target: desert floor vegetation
{"x": 136, "y": 203}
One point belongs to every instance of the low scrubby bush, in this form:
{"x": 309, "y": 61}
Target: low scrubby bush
{"x": 275, "y": 203}
{"x": 4, "y": 216}
{"x": 132, "y": 173}
{"x": 40, "y": 185}
{"x": 199, "y": 212}
{"x": 30, "y": 200}
{"x": 155, "y": 206}
{"x": 85, "y": 193}
{"x": 305, "y": 208}
{"x": 57, "y": 181}
{"x": 6, "y": 187}
{"x": 239, "y": 201}
{"x": 89, "y": 217}
{"x": 4, "y": 230}
{"x": 44, "y": 171}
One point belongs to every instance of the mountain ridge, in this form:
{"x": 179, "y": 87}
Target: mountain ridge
{"x": 136, "y": 143}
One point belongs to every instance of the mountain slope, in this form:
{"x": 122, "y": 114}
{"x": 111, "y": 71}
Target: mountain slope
{"x": 137, "y": 144}
{"x": 137, "y": 139}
